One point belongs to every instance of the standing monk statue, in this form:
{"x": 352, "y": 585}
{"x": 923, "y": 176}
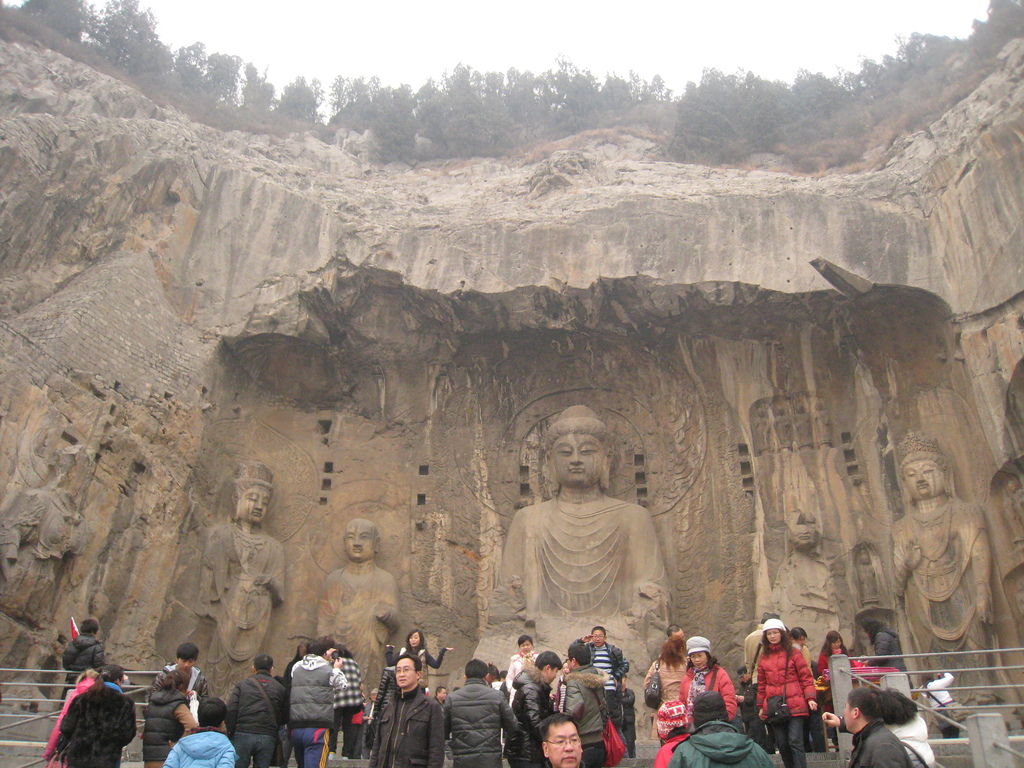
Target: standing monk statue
{"x": 582, "y": 553}
{"x": 359, "y": 605}
{"x": 243, "y": 574}
{"x": 942, "y": 555}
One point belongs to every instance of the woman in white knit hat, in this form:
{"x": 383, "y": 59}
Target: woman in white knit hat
{"x": 785, "y": 692}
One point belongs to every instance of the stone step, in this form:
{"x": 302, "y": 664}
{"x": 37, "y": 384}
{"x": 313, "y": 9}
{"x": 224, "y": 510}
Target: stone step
{"x": 951, "y": 753}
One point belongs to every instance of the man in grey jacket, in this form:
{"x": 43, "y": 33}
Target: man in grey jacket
{"x": 311, "y": 709}
{"x": 584, "y": 702}
{"x": 474, "y": 718}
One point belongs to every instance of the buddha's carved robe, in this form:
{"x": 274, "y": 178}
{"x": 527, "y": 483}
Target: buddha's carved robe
{"x": 592, "y": 559}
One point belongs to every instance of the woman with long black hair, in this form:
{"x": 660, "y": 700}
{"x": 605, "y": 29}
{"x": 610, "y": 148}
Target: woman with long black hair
{"x": 783, "y": 673}
{"x": 416, "y": 644}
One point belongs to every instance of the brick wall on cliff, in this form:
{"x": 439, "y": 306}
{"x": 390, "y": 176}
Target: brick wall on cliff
{"x": 114, "y": 321}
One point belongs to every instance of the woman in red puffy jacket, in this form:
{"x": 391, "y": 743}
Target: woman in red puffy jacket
{"x": 704, "y": 674}
{"x": 781, "y": 671}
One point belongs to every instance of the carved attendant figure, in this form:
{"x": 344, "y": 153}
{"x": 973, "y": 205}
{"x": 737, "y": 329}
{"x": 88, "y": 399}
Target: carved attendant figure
{"x": 803, "y": 586}
{"x": 582, "y": 553}
{"x": 243, "y": 569}
{"x": 359, "y": 605}
{"x": 942, "y": 555}
{"x": 39, "y": 525}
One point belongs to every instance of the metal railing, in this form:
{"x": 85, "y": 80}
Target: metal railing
{"x": 986, "y": 730}
{"x": 31, "y": 686}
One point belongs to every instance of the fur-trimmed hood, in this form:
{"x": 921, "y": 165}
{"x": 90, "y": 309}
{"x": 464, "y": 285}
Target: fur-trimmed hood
{"x": 590, "y": 676}
{"x": 530, "y": 674}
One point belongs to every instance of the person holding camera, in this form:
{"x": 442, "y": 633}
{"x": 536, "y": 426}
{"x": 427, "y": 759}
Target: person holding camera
{"x": 315, "y": 680}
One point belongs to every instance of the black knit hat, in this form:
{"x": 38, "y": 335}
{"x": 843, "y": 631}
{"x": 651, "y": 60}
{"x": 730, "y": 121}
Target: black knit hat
{"x": 707, "y": 707}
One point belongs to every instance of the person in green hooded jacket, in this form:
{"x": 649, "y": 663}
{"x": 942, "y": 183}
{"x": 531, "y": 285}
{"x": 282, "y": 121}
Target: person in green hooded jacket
{"x": 715, "y": 742}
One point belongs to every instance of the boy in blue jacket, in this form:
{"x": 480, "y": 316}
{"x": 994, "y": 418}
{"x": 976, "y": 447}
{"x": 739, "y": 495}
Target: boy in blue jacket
{"x": 207, "y": 746}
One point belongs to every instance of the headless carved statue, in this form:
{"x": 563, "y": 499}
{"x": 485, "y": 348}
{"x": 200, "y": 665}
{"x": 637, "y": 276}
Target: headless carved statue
{"x": 243, "y": 573}
{"x": 942, "y": 555}
{"x": 359, "y": 606}
{"x": 582, "y": 553}
{"x": 40, "y": 524}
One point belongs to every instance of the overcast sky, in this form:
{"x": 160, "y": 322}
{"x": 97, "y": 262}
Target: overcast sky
{"x": 409, "y": 42}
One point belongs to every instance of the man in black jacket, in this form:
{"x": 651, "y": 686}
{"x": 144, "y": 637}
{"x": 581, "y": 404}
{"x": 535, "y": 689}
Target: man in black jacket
{"x": 410, "y": 730}
{"x": 255, "y": 712}
{"x": 627, "y": 702}
{"x": 531, "y": 705}
{"x": 474, "y": 718}
{"x": 84, "y": 652}
{"x": 874, "y": 745}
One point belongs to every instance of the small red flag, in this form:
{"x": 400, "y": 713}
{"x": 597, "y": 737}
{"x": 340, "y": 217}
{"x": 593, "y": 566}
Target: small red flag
{"x": 74, "y": 628}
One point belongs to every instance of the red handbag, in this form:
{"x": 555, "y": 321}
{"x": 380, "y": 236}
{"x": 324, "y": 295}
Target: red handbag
{"x": 614, "y": 747}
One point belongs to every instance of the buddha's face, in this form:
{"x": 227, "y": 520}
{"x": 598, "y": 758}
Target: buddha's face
{"x": 360, "y": 541}
{"x": 253, "y": 503}
{"x": 578, "y": 460}
{"x": 925, "y": 479}
{"x": 804, "y": 532}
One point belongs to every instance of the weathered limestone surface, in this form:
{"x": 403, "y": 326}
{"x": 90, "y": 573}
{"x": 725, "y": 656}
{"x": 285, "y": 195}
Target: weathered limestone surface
{"x": 113, "y": 169}
{"x": 391, "y": 343}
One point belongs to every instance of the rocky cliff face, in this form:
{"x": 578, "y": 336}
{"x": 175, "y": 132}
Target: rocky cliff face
{"x": 392, "y": 343}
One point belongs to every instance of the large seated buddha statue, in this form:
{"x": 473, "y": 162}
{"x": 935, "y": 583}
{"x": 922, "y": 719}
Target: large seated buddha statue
{"x": 583, "y": 555}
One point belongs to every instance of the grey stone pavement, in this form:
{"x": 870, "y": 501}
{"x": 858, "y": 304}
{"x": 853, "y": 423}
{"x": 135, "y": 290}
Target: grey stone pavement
{"x": 953, "y": 753}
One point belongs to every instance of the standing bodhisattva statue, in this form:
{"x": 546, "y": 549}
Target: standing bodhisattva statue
{"x": 243, "y": 571}
{"x": 582, "y": 553}
{"x": 942, "y": 555}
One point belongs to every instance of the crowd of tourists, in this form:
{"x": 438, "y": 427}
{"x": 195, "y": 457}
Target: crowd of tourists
{"x": 568, "y": 711}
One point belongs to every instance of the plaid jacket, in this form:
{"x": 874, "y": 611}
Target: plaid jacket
{"x": 353, "y": 695}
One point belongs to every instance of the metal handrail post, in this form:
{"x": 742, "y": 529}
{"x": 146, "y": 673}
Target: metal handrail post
{"x": 842, "y": 683}
{"x": 990, "y": 745}
{"x": 897, "y": 681}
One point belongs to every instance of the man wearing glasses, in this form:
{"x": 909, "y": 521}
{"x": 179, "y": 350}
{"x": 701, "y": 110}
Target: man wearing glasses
{"x": 562, "y": 745}
{"x": 411, "y": 728}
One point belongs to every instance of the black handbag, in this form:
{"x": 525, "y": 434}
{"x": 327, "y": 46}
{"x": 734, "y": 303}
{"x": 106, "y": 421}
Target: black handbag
{"x": 652, "y": 691}
{"x": 776, "y": 709}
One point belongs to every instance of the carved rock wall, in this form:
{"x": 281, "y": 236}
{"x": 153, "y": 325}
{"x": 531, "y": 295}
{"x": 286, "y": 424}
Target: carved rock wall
{"x": 174, "y": 300}
{"x": 733, "y": 412}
